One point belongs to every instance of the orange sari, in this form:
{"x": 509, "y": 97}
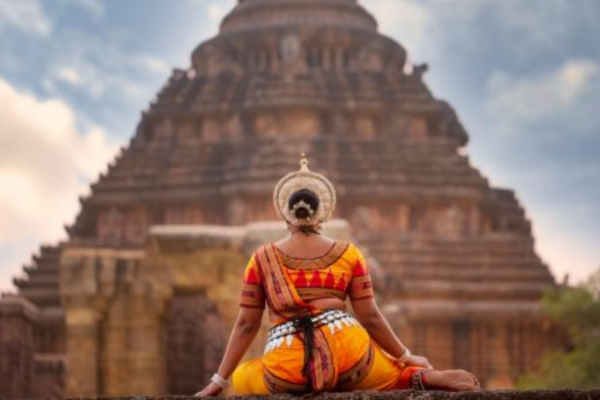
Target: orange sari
{"x": 319, "y": 351}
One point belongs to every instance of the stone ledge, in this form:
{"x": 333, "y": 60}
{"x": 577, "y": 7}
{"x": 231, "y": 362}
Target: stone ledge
{"x": 412, "y": 395}
{"x": 12, "y": 305}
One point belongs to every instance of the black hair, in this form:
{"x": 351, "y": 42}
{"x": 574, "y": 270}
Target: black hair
{"x": 309, "y": 198}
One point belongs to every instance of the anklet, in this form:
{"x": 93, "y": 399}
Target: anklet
{"x": 416, "y": 381}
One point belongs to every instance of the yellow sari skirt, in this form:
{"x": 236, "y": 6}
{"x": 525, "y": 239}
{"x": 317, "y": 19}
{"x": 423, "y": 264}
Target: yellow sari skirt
{"x": 359, "y": 364}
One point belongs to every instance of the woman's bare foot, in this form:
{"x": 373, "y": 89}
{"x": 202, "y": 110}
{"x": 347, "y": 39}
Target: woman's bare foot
{"x": 456, "y": 380}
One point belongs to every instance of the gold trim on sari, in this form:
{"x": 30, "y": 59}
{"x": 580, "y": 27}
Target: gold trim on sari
{"x": 309, "y": 264}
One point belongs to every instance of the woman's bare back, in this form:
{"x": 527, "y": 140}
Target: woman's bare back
{"x": 299, "y": 245}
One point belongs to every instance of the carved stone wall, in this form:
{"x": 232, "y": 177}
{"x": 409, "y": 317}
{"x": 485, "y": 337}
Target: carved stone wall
{"x": 50, "y": 375}
{"x": 498, "y": 352}
{"x": 156, "y": 321}
{"x": 195, "y": 341}
{"x": 17, "y": 321}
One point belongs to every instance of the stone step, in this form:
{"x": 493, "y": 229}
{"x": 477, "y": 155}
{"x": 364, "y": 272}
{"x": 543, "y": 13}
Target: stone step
{"x": 41, "y": 296}
{"x": 401, "y": 252}
{"x": 475, "y": 257}
{"x": 38, "y": 281}
{"x": 353, "y": 159}
{"x": 546, "y": 394}
{"x": 472, "y": 274}
{"x": 429, "y": 288}
{"x": 42, "y": 270}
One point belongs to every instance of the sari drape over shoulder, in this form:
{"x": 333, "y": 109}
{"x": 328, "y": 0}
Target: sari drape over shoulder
{"x": 310, "y": 350}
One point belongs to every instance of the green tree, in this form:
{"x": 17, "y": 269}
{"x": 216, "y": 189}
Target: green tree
{"x": 577, "y": 309}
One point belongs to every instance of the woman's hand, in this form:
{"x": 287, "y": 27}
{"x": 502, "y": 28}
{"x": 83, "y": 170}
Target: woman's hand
{"x": 245, "y": 329}
{"x": 211, "y": 390}
{"x": 417, "y": 361}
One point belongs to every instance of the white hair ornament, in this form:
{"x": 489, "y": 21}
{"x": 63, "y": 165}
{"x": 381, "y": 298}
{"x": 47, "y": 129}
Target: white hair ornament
{"x": 304, "y": 179}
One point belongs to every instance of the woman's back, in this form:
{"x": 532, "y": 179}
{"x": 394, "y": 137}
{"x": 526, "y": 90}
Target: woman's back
{"x": 324, "y": 281}
{"x": 304, "y": 246}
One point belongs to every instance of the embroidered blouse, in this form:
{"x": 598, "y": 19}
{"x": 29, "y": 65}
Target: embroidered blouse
{"x": 341, "y": 272}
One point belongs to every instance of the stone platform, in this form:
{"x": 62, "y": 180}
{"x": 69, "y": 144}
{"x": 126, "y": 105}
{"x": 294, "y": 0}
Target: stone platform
{"x": 412, "y": 395}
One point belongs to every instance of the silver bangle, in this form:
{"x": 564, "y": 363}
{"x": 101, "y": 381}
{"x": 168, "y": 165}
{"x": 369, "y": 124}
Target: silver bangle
{"x": 407, "y": 354}
{"x": 220, "y": 381}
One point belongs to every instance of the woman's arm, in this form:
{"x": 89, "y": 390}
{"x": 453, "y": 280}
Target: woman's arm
{"x": 370, "y": 317}
{"x": 244, "y": 331}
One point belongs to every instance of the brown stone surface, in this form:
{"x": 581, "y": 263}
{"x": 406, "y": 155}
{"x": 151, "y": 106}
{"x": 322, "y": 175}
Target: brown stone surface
{"x": 156, "y": 320}
{"x": 566, "y": 394}
{"x": 458, "y": 275}
{"x": 49, "y": 380}
{"x": 17, "y": 319}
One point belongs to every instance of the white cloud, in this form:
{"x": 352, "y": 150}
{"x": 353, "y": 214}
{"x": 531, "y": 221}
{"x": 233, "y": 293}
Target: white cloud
{"x": 215, "y": 9}
{"x": 69, "y": 75}
{"x": 434, "y": 30}
{"x": 103, "y": 71}
{"x": 94, "y": 7}
{"x": 151, "y": 64}
{"x": 45, "y": 162}
{"x": 536, "y": 24}
{"x": 530, "y": 99}
{"x": 407, "y": 20}
{"x": 25, "y": 15}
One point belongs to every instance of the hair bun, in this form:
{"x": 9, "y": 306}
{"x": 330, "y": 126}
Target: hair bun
{"x": 303, "y": 205}
{"x": 302, "y": 213}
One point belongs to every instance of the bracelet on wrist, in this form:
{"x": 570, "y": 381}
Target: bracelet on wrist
{"x": 220, "y": 381}
{"x": 404, "y": 357}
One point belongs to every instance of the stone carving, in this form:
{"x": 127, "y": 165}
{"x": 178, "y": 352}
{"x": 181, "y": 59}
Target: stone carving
{"x": 290, "y": 48}
{"x": 420, "y": 70}
{"x": 452, "y": 222}
{"x": 363, "y": 220}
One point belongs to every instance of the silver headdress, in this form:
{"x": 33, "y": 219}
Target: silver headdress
{"x": 299, "y": 180}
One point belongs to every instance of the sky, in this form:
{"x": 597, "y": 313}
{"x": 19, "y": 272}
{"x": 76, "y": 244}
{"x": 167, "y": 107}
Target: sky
{"x": 523, "y": 76}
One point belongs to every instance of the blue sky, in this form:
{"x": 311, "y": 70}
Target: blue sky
{"x": 524, "y": 77}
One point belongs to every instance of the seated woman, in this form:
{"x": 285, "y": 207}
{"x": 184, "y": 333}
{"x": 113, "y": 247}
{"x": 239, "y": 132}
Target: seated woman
{"x": 314, "y": 345}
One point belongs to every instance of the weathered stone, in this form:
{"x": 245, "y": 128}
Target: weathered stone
{"x": 17, "y": 318}
{"x": 566, "y": 394}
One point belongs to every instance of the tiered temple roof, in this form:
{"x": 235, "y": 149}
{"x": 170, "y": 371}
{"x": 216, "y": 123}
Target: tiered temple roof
{"x": 41, "y": 284}
{"x": 316, "y": 76}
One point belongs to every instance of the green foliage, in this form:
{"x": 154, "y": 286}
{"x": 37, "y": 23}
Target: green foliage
{"x": 578, "y": 310}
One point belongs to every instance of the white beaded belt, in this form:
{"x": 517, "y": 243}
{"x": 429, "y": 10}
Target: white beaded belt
{"x": 334, "y": 319}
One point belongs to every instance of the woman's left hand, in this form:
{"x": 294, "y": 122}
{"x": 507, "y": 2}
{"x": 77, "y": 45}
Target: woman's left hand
{"x": 417, "y": 361}
{"x": 211, "y": 390}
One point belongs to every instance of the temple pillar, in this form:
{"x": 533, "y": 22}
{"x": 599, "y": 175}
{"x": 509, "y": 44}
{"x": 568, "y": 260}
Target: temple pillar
{"x": 111, "y": 331}
{"x": 147, "y": 372}
{"x": 132, "y": 359}
{"x": 500, "y": 373}
{"x": 82, "y": 352}
{"x": 79, "y": 291}
{"x": 17, "y": 321}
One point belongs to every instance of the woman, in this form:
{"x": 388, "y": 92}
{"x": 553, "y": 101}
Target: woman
{"x": 314, "y": 345}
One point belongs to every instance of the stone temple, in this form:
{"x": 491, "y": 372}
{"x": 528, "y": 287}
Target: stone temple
{"x": 140, "y": 298}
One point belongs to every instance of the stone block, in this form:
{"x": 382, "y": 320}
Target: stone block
{"x": 17, "y": 346}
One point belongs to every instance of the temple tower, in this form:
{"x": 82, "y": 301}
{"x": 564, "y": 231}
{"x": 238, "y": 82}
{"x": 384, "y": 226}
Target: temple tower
{"x": 462, "y": 279}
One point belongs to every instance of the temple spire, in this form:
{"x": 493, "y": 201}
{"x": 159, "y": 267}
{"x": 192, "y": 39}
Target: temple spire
{"x": 252, "y": 14}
